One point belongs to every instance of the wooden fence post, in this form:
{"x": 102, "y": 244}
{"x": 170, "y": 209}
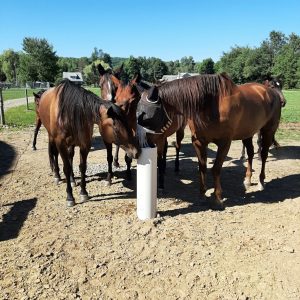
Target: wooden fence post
{"x": 2, "y": 118}
{"x": 26, "y": 95}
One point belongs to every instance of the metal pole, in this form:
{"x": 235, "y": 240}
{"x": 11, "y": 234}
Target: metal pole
{"x": 2, "y": 119}
{"x": 26, "y": 95}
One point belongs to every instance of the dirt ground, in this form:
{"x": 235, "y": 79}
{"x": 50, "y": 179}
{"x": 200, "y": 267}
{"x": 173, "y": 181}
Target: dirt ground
{"x": 101, "y": 250}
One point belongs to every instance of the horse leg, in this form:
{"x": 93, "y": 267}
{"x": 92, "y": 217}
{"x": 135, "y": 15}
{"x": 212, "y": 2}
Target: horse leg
{"x": 82, "y": 167}
{"x": 116, "y": 157}
{"x": 109, "y": 158}
{"x": 179, "y": 138}
{"x": 53, "y": 158}
{"x": 36, "y": 131}
{"x": 247, "y": 143}
{"x": 71, "y": 151}
{"x": 223, "y": 148}
{"x": 160, "y": 162}
{"x": 243, "y": 153}
{"x": 128, "y": 161}
{"x": 259, "y": 145}
{"x": 201, "y": 152}
{"x": 266, "y": 142}
{"x": 63, "y": 151}
{"x": 164, "y": 161}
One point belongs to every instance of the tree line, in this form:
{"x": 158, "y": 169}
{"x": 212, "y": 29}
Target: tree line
{"x": 278, "y": 55}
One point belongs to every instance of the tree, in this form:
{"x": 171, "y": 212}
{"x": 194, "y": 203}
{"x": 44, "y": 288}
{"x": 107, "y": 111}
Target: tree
{"x": 40, "y": 58}
{"x": 10, "y": 62}
{"x": 233, "y": 63}
{"x": 206, "y": 66}
{"x": 187, "y": 64}
{"x": 286, "y": 65}
{"x": 90, "y": 73}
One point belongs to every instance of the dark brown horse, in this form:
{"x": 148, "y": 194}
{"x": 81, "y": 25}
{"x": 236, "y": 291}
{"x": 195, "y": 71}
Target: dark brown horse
{"x": 113, "y": 89}
{"x": 69, "y": 113}
{"x": 219, "y": 111}
{"x": 38, "y": 123}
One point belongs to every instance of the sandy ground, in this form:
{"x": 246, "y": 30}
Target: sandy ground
{"x": 101, "y": 250}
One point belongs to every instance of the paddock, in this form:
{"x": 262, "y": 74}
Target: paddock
{"x": 101, "y": 250}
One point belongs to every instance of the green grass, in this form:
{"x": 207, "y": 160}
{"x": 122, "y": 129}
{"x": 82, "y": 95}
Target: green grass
{"x": 291, "y": 112}
{"x": 17, "y": 93}
{"x": 20, "y": 116}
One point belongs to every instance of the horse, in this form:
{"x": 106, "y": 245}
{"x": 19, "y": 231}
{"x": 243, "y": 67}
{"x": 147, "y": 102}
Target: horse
{"x": 69, "y": 113}
{"x": 113, "y": 89}
{"x": 275, "y": 84}
{"x": 38, "y": 123}
{"x": 219, "y": 111}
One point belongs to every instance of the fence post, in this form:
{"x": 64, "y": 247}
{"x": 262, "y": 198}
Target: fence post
{"x": 26, "y": 95}
{"x": 2, "y": 118}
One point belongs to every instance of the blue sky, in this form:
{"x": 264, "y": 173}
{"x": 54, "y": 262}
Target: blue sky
{"x": 167, "y": 29}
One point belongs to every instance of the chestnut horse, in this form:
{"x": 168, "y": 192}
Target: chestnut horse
{"x": 219, "y": 111}
{"x": 69, "y": 113}
{"x": 275, "y": 84}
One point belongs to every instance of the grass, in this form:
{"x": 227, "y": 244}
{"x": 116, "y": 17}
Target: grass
{"x": 291, "y": 112}
{"x": 17, "y": 93}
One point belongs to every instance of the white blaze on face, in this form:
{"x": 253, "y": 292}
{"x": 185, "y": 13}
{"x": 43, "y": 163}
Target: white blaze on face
{"x": 109, "y": 95}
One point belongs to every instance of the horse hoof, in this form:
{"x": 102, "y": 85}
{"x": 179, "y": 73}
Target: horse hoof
{"x": 247, "y": 184}
{"x": 33, "y": 148}
{"x": 215, "y": 204}
{"x": 261, "y": 187}
{"x": 84, "y": 198}
{"x": 116, "y": 164}
{"x": 70, "y": 203}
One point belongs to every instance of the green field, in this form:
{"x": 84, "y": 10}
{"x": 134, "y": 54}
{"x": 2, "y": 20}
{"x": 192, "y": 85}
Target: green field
{"x": 17, "y": 93}
{"x": 20, "y": 116}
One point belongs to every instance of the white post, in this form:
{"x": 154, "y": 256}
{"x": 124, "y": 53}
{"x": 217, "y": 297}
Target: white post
{"x": 147, "y": 184}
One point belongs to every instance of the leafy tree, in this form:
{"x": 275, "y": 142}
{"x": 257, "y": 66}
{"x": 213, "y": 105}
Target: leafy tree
{"x": 173, "y": 67}
{"x": 206, "y": 66}
{"x": 41, "y": 60}
{"x": 187, "y": 64}
{"x": 233, "y": 63}
{"x": 286, "y": 62}
{"x": 10, "y": 61}
{"x": 90, "y": 72}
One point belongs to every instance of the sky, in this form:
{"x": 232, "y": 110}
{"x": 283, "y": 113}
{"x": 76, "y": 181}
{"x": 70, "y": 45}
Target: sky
{"x": 167, "y": 29}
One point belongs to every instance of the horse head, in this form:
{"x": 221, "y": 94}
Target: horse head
{"x": 114, "y": 128}
{"x": 108, "y": 83}
{"x": 151, "y": 113}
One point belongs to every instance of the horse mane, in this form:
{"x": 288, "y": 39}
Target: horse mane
{"x": 78, "y": 108}
{"x": 196, "y": 93}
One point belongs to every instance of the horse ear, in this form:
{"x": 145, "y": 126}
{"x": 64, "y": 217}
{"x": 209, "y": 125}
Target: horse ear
{"x": 101, "y": 70}
{"x": 118, "y": 71}
{"x": 136, "y": 80}
{"x": 36, "y": 95}
{"x": 115, "y": 80}
{"x": 153, "y": 94}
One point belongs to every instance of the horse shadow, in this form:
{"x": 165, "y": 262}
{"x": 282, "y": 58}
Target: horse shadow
{"x": 7, "y": 158}
{"x": 14, "y": 219}
{"x": 286, "y": 152}
{"x": 97, "y": 143}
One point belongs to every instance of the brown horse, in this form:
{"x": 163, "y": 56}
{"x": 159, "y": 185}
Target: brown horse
{"x": 69, "y": 113}
{"x": 219, "y": 111}
{"x": 38, "y": 123}
{"x": 275, "y": 84}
